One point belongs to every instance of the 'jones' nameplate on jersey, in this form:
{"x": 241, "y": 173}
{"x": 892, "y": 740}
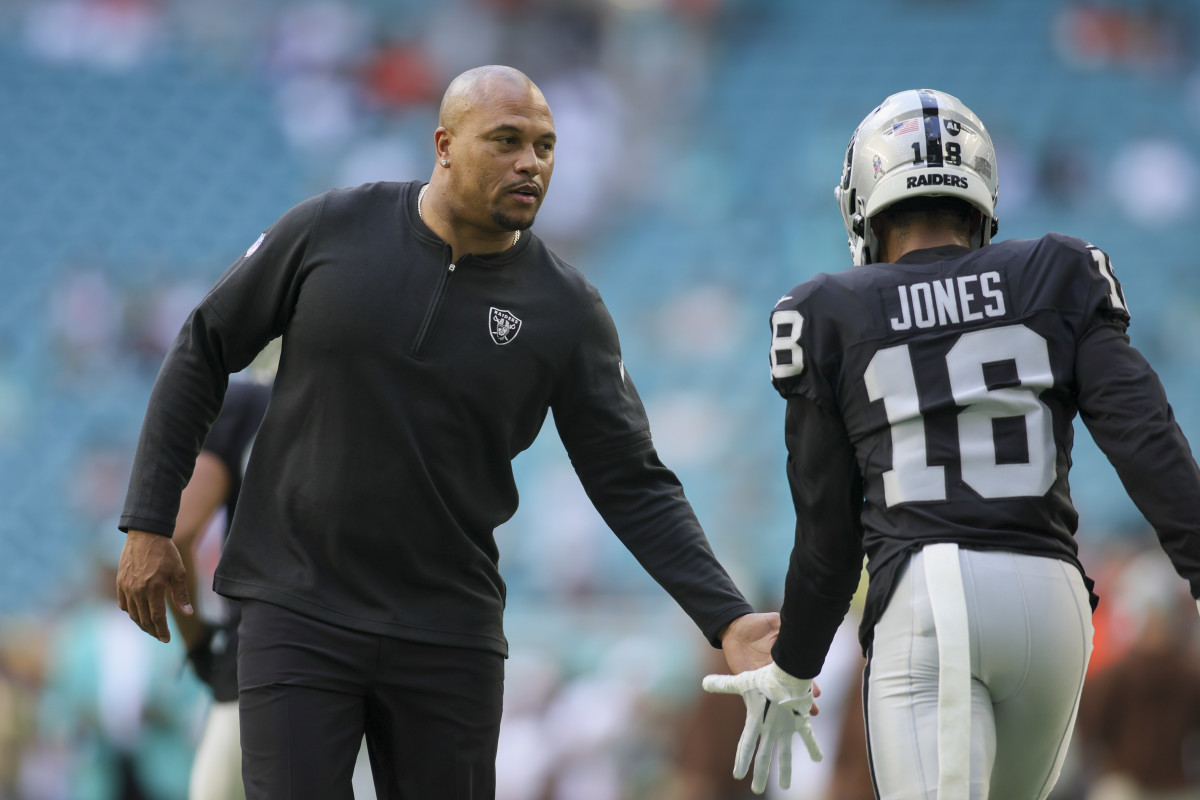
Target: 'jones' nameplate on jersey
{"x": 946, "y": 301}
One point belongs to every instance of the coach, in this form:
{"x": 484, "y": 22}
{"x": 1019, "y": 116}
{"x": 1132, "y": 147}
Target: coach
{"x": 426, "y": 334}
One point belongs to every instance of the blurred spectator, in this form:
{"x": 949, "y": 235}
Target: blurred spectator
{"x": 569, "y": 36}
{"x": 525, "y": 756}
{"x": 707, "y": 733}
{"x": 156, "y": 316}
{"x": 116, "y": 35}
{"x": 118, "y": 714}
{"x": 689, "y": 428}
{"x": 1147, "y": 36}
{"x": 1153, "y": 180}
{"x": 461, "y": 34}
{"x": 1104, "y": 563}
{"x": 560, "y": 552}
{"x": 850, "y": 777}
{"x": 383, "y": 158}
{"x": 1062, "y": 170}
{"x": 86, "y": 323}
{"x": 1018, "y": 175}
{"x": 314, "y": 57}
{"x": 700, "y": 324}
{"x": 590, "y": 156}
{"x": 599, "y": 723}
{"x": 659, "y": 55}
{"x": 317, "y": 110}
{"x": 316, "y": 37}
{"x": 15, "y": 394}
{"x": 97, "y": 481}
{"x": 398, "y": 75}
{"x": 1190, "y": 91}
{"x": 22, "y": 653}
{"x": 1139, "y": 717}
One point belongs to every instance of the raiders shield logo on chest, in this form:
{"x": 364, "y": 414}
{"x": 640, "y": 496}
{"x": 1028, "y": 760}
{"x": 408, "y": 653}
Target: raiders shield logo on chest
{"x": 504, "y": 325}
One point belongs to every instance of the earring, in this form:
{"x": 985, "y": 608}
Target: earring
{"x": 445, "y": 162}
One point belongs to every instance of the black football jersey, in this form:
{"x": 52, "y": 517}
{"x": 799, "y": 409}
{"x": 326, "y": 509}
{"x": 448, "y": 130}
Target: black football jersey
{"x": 214, "y": 657}
{"x": 932, "y": 400}
{"x": 233, "y": 432}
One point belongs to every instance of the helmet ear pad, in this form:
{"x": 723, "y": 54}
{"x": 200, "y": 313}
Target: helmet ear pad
{"x": 918, "y": 142}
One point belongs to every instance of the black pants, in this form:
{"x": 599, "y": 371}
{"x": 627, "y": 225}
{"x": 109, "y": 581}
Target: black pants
{"x": 308, "y": 691}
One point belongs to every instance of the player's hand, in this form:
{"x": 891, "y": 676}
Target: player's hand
{"x": 150, "y": 567}
{"x": 777, "y": 706}
{"x": 212, "y": 656}
{"x": 747, "y": 641}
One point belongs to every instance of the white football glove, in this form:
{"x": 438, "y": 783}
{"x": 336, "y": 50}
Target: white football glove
{"x": 777, "y": 706}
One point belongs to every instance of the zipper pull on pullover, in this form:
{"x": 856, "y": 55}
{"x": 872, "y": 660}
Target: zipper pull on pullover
{"x": 435, "y": 304}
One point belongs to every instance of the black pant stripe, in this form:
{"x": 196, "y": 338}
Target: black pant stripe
{"x": 866, "y": 685}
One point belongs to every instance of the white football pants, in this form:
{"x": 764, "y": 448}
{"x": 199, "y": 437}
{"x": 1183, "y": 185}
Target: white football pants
{"x": 974, "y": 676}
{"x": 217, "y": 767}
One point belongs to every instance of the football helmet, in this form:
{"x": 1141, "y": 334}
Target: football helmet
{"x": 918, "y": 142}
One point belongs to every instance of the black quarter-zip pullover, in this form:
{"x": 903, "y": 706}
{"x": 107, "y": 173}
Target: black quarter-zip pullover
{"x": 406, "y": 386}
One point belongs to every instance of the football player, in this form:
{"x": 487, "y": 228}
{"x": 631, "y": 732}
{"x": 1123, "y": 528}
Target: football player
{"x": 212, "y": 641}
{"x": 930, "y": 395}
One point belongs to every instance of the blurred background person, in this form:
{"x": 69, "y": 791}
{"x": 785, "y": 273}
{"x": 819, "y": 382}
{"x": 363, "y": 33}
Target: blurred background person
{"x": 1139, "y": 716}
{"x": 210, "y": 634}
{"x": 117, "y": 718}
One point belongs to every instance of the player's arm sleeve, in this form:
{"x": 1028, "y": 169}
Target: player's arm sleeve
{"x": 248, "y": 306}
{"x": 239, "y": 414}
{"x": 604, "y": 428}
{"x": 827, "y": 556}
{"x": 1124, "y": 406}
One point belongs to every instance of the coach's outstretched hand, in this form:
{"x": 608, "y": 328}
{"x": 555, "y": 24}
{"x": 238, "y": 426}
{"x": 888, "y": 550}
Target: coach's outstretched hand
{"x": 777, "y": 706}
{"x": 747, "y": 641}
{"x": 150, "y": 567}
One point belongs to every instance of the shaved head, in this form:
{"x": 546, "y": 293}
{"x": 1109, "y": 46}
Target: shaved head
{"x": 477, "y": 88}
{"x": 495, "y": 153}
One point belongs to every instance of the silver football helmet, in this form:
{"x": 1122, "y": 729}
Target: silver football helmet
{"x": 917, "y": 143}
